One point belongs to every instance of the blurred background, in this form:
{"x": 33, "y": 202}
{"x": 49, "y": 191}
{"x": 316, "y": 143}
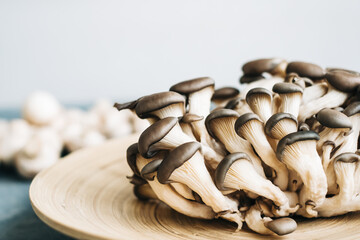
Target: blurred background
{"x": 83, "y": 50}
{"x": 80, "y": 51}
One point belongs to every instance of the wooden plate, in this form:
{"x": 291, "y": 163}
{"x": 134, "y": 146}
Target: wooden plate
{"x": 87, "y": 196}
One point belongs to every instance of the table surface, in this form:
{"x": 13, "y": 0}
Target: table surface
{"x": 17, "y": 218}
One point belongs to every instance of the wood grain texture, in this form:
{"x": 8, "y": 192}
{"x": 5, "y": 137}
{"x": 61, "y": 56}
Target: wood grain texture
{"x": 87, "y": 196}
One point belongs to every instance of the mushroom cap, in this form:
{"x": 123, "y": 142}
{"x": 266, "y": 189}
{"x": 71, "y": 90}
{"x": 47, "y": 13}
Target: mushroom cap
{"x": 190, "y": 117}
{"x": 243, "y": 119}
{"x": 131, "y": 154}
{"x": 282, "y": 226}
{"x": 220, "y": 113}
{"x": 333, "y": 119}
{"x": 225, "y": 93}
{"x": 153, "y": 134}
{"x": 258, "y": 91}
{"x": 259, "y": 66}
{"x": 249, "y": 79}
{"x": 136, "y": 180}
{"x": 175, "y": 159}
{"x": 304, "y": 127}
{"x": 304, "y": 69}
{"x": 347, "y": 157}
{"x": 274, "y": 119}
{"x": 352, "y": 109}
{"x": 284, "y": 88}
{"x": 345, "y": 81}
{"x": 149, "y": 169}
{"x": 232, "y": 104}
{"x": 153, "y": 102}
{"x": 294, "y": 137}
{"x": 193, "y": 85}
{"x": 224, "y": 166}
{"x": 128, "y": 105}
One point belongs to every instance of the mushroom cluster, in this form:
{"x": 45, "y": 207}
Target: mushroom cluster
{"x": 47, "y": 128}
{"x": 286, "y": 144}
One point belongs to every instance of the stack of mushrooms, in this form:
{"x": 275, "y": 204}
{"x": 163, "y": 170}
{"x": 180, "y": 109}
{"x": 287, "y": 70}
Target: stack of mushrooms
{"x": 287, "y": 144}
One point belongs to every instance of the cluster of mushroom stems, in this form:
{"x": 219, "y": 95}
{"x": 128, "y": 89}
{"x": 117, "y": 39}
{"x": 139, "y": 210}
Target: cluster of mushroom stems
{"x": 48, "y": 129}
{"x": 285, "y": 144}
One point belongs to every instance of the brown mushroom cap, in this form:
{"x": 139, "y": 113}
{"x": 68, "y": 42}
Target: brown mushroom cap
{"x": 294, "y": 78}
{"x": 257, "y": 92}
{"x": 304, "y": 69}
{"x": 249, "y": 79}
{"x": 128, "y": 105}
{"x": 190, "y": 117}
{"x": 347, "y": 157}
{"x": 333, "y": 119}
{"x": 343, "y": 80}
{"x": 243, "y": 119}
{"x": 352, "y": 109}
{"x": 294, "y": 137}
{"x": 193, "y": 85}
{"x": 225, "y": 93}
{"x": 284, "y": 88}
{"x": 282, "y": 226}
{"x": 131, "y": 155}
{"x": 150, "y": 168}
{"x": 304, "y": 127}
{"x": 274, "y": 119}
{"x": 153, "y": 134}
{"x": 232, "y": 104}
{"x": 175, "y": 159}
{"x": 259, "y": 66}
{"x": 220, "y": 113}
{"x": 136, "y": 180}
{"x": 224, "y": 166}
{"x": 146, "y": 105}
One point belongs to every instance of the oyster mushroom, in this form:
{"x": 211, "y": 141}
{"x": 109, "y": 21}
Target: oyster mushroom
{"x": 199, "y": 92}
{"x": 274, "y": 66}
{"x": 340, "y": 86}
{"x": 239, "y": 105}
{"x": 185, "y": 123}
{"x": 349, "y": 143}
{"x": 223, "y": 95}
{"x": 260, "y": 102}
{"x": 220, "y": 125}
{"x": 166, "y": 134}
{"x": 290, "y": 97}
{"x": 169, "y": 196}
{"x": 294, "y": 78}
{"x": 314, "y": 92}
{"x": 298, "y": 151}
{"x": 305, "y": 69}
{"x": 234, "y": 172}
{"x": 250, "y": 127}
{"x": 280, "y": 124}
{"x": 336, "y": 126}
{"x": 266, "y": 225}
{"x": 186, "y": 165}
{"x": 346, "y": 167}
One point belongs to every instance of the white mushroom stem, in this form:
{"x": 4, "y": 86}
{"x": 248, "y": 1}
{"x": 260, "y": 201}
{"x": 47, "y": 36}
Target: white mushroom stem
{"x": 255, "y": 222}
{"x": 174, "y": 200}
{"x": 348, "y": 199}
{"x": 225, "y": 132}
{"x": 303, "y": 158}
{"x": 238, "y": 177}
{"x": 290, "y": 103}
{"x": 261, "y": 104}
{"x": 173, "y": 110}
{"x": 349, "y": 143}
{"x": 253, "y": 132}
{"x": 333, "y": 98}
{"x": 186, "y": 127}
{"x": 194, "y": 174}
{"x": 314, "y": 92}
{"x": 183, "y": 190}
{"x": 295, "y": 181}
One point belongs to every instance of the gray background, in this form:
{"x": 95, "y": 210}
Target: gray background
{"x": 81, "y": 50}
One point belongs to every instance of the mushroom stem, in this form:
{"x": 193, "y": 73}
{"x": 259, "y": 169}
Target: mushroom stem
{"x": 173, "y": 199}
{"x": 333, "y": 98}
{"x": 314, "y": 92}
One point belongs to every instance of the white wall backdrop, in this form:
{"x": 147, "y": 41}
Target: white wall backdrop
{"x": 82, "y": 50}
